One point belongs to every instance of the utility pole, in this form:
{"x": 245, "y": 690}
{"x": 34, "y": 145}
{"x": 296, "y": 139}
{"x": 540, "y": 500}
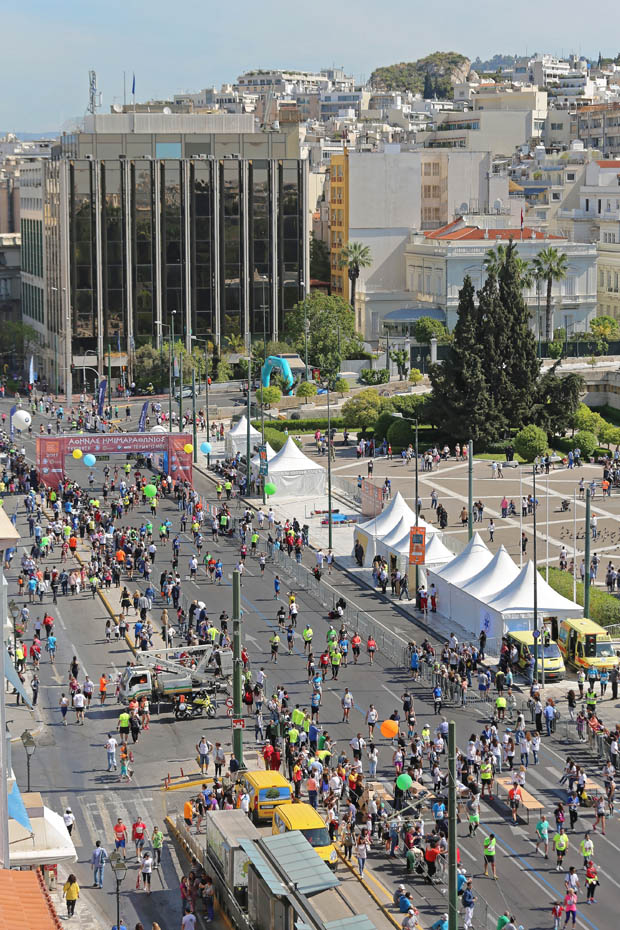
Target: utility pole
{"x": 109, "y": 376}
{"x": 237, "y": 704}
{"x": 180, "y": 388}
{"x": 453, "y": 901}
{"x": 417, "y": 511}
{"x": 586, "y": 575}
{"x": 537, "y": 637}
{"x": 171, "y": 369}
{"x": 195, "y": 452}
{"x": 470, "y": 489}
{"x": 330, "y": 517}
{"x": 247, "y": 435}
{"x": 207, "y": 394}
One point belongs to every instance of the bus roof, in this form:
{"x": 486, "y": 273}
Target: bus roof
{"x": 266, "y": 779}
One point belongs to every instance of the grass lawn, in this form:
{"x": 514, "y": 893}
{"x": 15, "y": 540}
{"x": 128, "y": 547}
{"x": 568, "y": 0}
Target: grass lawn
{"x": 491, "y": 457}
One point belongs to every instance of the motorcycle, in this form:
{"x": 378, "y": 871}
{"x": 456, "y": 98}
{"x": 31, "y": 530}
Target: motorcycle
{"x": 203, "y": 703}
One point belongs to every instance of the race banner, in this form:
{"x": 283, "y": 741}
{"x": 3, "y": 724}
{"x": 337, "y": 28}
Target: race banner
{"x": 142, "y": 420}
{"x": 101, "y": 399}
{"x": 11, "y": 427}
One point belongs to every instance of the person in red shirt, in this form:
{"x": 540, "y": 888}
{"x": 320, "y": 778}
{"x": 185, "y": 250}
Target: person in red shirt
{"x": 138, "y": 835}
{"x": 267, "y": 754}
{"x": 514, "y": 796}
{"x": 120, "y": 835}
{"x": 276, "y": 759}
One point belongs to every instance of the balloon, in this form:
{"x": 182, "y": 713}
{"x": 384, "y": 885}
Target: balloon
{"x": 389, "y": 729}
{"x": 77, "y": 453}
{"x": 188, "y": 447}
{"x": 205, "y": 447}
{"x": 89, "y": 460}
{"x": 21, "y": 419}
{"x": 150, "y": 490}
{"x": 270, "y": 488}
{"x": 404, "y": 781}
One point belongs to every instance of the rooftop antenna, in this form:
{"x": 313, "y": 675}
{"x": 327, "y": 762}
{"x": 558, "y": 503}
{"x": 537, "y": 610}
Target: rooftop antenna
{"x": 94, "y": 97}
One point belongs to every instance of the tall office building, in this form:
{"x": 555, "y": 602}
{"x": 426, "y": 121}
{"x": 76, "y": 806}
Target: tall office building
{"x": 145, "y": 230}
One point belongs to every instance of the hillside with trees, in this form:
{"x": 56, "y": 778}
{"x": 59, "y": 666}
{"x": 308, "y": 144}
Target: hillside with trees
{"x": 433, "y": 76}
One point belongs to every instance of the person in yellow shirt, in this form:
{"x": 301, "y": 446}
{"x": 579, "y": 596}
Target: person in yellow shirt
{"x": 71, "y": 891}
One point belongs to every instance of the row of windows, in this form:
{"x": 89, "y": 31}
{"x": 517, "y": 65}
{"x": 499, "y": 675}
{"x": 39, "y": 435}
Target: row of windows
{"x": 431, "y": 168}
{"x": 608, "y": 280}
{"x": 32, "y": 247}
{"x": 32, "y": 302}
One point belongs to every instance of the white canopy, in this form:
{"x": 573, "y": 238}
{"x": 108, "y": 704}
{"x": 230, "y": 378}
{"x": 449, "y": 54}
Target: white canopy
{"x": 294, "y": 474}
{"x": 499, "y": 573}
{"x": 49, "y": 842}
{"x": 389, "y": 518}
{"x": 255, "y": 460}
{"x": 436, "y": 552}
{"x": 518, "y": 597}
{"x": 237, "y": 437}
{"x": 475, "y": 556}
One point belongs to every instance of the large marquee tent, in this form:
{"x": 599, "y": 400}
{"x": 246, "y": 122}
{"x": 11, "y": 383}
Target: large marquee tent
{"x": 294, "y": 474}
{"x": 237, "y": 438}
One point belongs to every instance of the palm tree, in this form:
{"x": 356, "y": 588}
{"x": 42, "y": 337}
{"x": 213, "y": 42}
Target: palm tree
{"x": 496, "y": 258}
{"x": 354, "y": 255}
{"x": 550, "y": 265}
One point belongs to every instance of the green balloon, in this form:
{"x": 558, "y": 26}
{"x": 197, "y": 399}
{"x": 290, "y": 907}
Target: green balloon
{"x": 270, "y": 488}
{"x": 404, "y": 781}
{"x": 150, "y": 490}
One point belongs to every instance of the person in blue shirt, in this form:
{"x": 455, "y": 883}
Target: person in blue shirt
{"x": 441, "y": 924}
{"x": 461, "y": 881}
{"x": 437, "y": 698}
{"x": 276, "y": 587}
{"x": 404, "y": 903}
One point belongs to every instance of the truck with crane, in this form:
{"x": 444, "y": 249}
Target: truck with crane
{"x": 163, "y": 675}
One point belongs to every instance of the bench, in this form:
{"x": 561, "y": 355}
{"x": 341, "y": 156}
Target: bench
{"x": 528, "y": 801}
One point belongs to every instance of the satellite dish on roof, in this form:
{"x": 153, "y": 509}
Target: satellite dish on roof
{"x": 497, "y": 205}
{"x": 167, "y": 111}
{"x": 117, "y": 108}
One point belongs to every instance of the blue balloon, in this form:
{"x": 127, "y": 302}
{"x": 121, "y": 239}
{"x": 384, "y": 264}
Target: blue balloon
{"x": 205, "y": 447}
{"x": 89, "y": 460}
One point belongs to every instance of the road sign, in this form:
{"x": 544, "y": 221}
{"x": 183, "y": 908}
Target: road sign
{"x": 229, "y": 711}
{"x": 229, "y": 702}
{"x": 238, "y": 723}
{"x": 536, "y": 634}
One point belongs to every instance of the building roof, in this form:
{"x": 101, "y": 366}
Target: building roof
{"x": 478, "y": 233}
{"x": 359, "y": 922}
{"x": 413, "y": 314}
{"x": 303, "y": 867}
{"x": 24, "y": 902}
{"x": 607, "y": 163}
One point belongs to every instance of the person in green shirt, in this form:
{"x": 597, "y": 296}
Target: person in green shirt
{"x": 157, "y": 842}
{"x": 542, "y": 835}
{"x": 490, "y": 844}
{"x": 123, "y": 725}
{"x": 560, "y": 841}
{"x": 503, "y": 919}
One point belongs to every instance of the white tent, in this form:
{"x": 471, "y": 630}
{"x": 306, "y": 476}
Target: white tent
{"x": 397, "y": 540}
{"x": 237, "y": 438}
{"x": 472, "y": 560}
{"x": 255, "y": 460}
{"x": 468, "y": 601}
{"x": 294, "y": 474}
{"x": 368, "y": 533}
{"x": 436, "y": 553}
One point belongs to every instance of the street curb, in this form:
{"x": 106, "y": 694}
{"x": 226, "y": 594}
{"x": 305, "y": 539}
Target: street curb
{"x": 188, "y": 854}
{"x": 372, "y": 894}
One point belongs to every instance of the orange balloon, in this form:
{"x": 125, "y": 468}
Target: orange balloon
{"x": 389, "y": 729}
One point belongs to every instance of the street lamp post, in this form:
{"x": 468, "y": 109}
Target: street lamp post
{"x": 119, "y": 867}
{"x": 247, "y": 437}
{"x": 206, "y": 342}
{"x": 30, "y": 746}
{"x": 329, "y": 468}
{"x": 195, "y": 438}
{"x": 399, "y": 416}
{"x": 172, "y": 315}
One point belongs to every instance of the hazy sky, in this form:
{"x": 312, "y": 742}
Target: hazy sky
{"x": 49, "y": 45}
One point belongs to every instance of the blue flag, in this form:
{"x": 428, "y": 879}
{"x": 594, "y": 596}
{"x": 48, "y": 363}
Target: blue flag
{"x": 11, "y": 427}
{"x": 133, "y": 86}
{"x": 101, "y": 400}
{"x": 118, "y": 341}
{"x": 142, "y": 420}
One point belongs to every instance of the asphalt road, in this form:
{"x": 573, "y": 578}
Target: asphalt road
{"x": 70, "y": 764}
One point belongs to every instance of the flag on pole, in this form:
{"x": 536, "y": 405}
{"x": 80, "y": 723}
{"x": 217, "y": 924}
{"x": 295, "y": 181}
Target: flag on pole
{"x": 31, "y": 372}
{"x": 101, "y": 399}
{"x": 133, "y": 85}
{"x": 521, "y": 217}
{"x": 142, "y": 420}
{"x": 118, "y": 340}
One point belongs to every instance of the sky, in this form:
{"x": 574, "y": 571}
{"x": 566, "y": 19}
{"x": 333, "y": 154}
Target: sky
{"x": 49, "y": 47}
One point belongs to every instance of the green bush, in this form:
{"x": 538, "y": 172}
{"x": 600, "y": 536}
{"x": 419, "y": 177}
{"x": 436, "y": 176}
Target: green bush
{"x": 530, "y": 442}
{"x": 604, "y": 607}
{"x": 367, "y": 433}
{"x": 342, "y": 386}
{"x": 415, "y": 376}
{"x": 303, "y": 426}
{"x": 586, "y": 441}
{"x": 383, "y": 424}
{"x": 372, "y": 376}
{"x": 400, "y": 434}
{"x": 269, "y": 395}
{"x": 306, "y": 389}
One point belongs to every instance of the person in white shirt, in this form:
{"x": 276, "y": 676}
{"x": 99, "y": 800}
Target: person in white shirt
{"x": 189, "y": 920}
{"x": 69, "y": 820}
{"x": 147, "y": 870}
{"x": 79, "y": 702}
{"x": 110, "y": 746}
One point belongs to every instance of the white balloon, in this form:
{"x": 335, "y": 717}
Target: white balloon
{"x": 159, "y": 429}
{"x": 21, "y": 419}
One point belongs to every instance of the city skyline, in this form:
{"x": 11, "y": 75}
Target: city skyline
{"x": 136, "y": 39}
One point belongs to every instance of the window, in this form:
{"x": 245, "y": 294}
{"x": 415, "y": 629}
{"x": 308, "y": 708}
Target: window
{"x": 427, "y": 169}
{"x": 570, "y": 176}
{"x": 435, "y": 169}
{"x": 555, "y": 195}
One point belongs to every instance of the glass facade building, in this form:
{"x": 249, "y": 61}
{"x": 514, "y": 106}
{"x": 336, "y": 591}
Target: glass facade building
{"x": 220, "y": 242}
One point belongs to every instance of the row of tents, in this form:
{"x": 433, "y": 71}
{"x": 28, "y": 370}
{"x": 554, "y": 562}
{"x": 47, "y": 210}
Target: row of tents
{"x": 477, "y": 589}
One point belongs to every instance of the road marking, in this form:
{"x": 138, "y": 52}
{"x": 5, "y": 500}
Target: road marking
{"x": 389, "y": 691}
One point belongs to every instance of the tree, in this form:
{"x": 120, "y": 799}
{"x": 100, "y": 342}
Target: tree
{"x": 604, "y": 329}
{"x": 15, "y": 337}
{"x": 460, "y": 404}
{"x": 557, "y": 401}
{"x": 331, "y": 330}
{"x": 550, "y": 265}
{"x": 319, "y": 259}
{"x": 530, "y": 442}
{"x": 426, "y": 328}
{"x": 363, "y": 409}
{"x": 354, "y": 256}
{"x": 400, "y": 357}
{"x": 269, "y": 395}
{"x": 587, "y": 442}
{"x": 428, "y": 87}
{"x": 147, "y": 365}
{"x": 415, "y": 376}
{"x": 586, "y": 419}
{"x": 495, "y": 261}
{"x": 400, "y": 434}
{"x": 306, "y": 389}
{"x": 342, "y": 386}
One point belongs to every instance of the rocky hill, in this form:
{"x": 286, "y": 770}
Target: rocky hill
{"x": 433, "y": 76}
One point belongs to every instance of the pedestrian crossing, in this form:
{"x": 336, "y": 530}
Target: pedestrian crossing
{"x": 95, "y": 817}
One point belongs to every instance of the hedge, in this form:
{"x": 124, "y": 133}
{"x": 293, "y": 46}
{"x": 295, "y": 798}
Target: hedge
{"x": 604, "y": 607}
{"x": 302, "y": 426}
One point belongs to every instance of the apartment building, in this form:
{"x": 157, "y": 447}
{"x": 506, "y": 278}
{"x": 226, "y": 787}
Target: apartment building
{"x": 498, "y": 131}
{"x": 10, "y": 277}
{"x": 437, "y": 261}
{"x": 598, "y": 127}
{"x": 377, "y": 198}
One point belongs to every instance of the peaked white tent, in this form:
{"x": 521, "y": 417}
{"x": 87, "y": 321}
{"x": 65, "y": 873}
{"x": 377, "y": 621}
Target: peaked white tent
{"x": 397, "y": 540}
{"x": 377, "y": 528}
{"x": 255, "y": 460}
{"x": 237, "y": 437}
{"x": 468, "y": 601}
{"x": 436, "y": 553}
{"x": 468, "y": 563}
{"x": 294, "y": 474}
